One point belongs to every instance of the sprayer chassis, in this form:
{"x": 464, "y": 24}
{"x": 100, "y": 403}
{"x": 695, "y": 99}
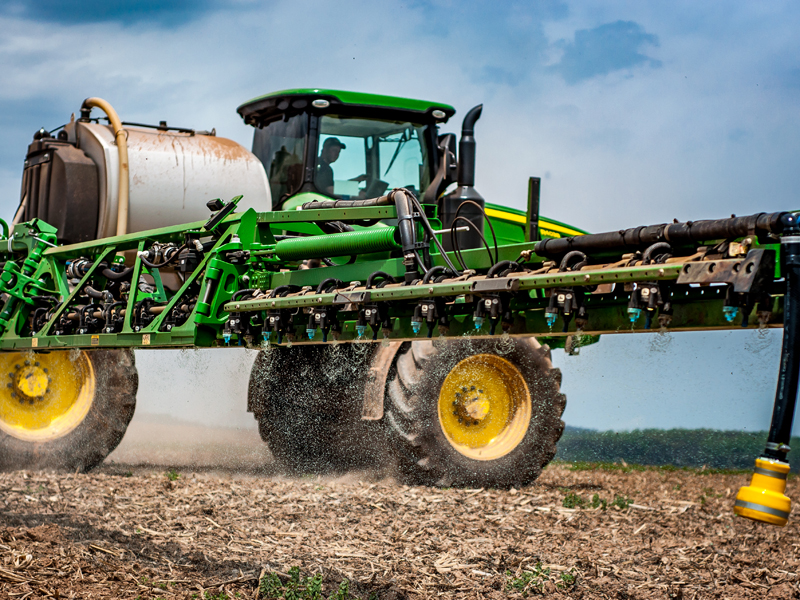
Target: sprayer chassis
{"x": 240, "y": 285}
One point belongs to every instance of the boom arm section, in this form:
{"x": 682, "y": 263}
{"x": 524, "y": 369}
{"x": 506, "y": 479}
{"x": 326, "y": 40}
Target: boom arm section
{"x": 249, "y": 278}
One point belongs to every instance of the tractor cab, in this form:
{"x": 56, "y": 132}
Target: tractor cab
{"x": 344, "y": 145}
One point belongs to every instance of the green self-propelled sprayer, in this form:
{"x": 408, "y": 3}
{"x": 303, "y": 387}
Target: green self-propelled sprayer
{"x": 463, "y": 298}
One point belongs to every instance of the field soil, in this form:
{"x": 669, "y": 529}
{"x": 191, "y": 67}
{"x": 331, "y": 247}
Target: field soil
{"x": 172, "y": 524}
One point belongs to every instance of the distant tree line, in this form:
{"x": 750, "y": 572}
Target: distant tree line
{"x": 677, "y": 447}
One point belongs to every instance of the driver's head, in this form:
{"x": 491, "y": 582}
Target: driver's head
{"x": 331, "y": 148}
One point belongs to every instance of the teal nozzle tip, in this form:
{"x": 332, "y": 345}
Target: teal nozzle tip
{"x": 730, "y": 313}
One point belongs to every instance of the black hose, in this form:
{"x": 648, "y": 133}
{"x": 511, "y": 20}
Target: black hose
{"x": 487, "y": 219}
{"x": 379, "y": 201}
{"x": 175, "y": 254}
{"x": 655, "y": 247}
{"x": 780, "y": 430}
{"x": 35, "y": 317}
{"x": 408, "y": 233}
{"x": 84, "y": 310}
{"x": 568, "y": 257}
{"x": 142, "y": 304}
{"x": 427, "y": 225}
{"x": 93, "y": 293}
{"x": 284, "y": 289}
{"x": 330, "y": 281}
{"x": 330, "y": 263}
{"x": 457, "y": 248}
{"x": 432, "y": 271}
{"x": 503, "y": 264}
{"x": 240, "y": 292}
{"x": 110, "y": 309}
{"x": 116, "y": 276}
{"x": 420, "y": 262}
{"x": 677, "y": 234}
{"x": 381, "y": 274}
{"x": 289, "y": 289}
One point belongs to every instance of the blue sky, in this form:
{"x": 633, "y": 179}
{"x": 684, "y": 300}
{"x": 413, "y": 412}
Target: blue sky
{"x": 632, "y": 112}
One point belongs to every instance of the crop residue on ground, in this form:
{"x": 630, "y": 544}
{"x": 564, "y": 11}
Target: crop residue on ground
{"x": 178, "y": 534}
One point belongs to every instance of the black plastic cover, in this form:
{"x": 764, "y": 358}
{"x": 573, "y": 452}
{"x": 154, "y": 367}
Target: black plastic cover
{"x": 60, "y": 186}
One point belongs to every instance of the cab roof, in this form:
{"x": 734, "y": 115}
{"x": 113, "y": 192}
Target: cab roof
{"x": 267, "y": 107}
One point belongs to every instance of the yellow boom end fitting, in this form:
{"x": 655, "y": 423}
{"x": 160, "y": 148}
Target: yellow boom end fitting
{"x": 764, "y": 499}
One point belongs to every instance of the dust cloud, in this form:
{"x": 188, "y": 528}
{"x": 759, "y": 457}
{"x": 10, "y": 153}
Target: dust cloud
{"x": 191, "y": 411}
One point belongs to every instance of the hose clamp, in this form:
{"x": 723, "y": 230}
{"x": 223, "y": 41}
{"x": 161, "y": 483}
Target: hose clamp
{"x": 778, "y": 447}
{"x": 762, "y": 508}
{"x": 790, "y": 239}
{"x": 769, "y": 473}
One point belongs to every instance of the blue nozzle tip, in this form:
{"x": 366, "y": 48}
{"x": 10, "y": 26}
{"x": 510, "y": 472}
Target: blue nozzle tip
{"x": 634, "y": 314}
{"x": 416, "y": 326}
{"x": 311, "y": 333}
{"x": 226, "y": 337}
{"x": 550, "y": 318}
{"x": 478, "y": 322}
{"x": 730, "y": 312}
{"x": 361, "y": 330}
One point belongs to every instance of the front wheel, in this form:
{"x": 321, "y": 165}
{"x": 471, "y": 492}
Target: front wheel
{"x": 64, "y": 409}
{"x": 474, "y": 413}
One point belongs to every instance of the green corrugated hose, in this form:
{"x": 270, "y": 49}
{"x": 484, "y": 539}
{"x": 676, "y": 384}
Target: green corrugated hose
{"x": 379, "y": 239}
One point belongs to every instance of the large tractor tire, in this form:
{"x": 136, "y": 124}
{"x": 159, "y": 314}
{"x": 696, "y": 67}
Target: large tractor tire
{"x": 308, "y": 401}
{"x": 474, "y": 413}
{"x": 65, "y": 409}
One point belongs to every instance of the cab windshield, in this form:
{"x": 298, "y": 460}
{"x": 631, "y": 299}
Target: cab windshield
{"x": 280, "y": 145}
{"x": 362, "y": 158}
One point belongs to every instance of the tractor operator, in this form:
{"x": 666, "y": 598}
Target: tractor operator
{"x": 331, "y": 148}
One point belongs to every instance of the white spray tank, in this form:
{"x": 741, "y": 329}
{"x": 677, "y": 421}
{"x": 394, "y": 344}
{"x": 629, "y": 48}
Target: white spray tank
{"x": 172, "y": 174}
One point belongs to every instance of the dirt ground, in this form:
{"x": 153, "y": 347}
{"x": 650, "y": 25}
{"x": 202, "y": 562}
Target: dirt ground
{"x": 145, "y": 531}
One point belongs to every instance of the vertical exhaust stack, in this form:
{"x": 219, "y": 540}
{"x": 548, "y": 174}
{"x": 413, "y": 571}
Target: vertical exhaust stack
{"x": 465, "y": 190}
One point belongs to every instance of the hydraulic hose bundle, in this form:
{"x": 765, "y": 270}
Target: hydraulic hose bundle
{"x": 675, "y": 234}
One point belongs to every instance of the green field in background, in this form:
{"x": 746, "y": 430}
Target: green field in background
{"x": 677, "y": 447}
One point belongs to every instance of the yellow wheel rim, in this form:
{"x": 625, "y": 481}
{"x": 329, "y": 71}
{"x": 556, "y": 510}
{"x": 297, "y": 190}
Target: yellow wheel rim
{"x": 484, "y": 407}
{"x": 44, "y": 396}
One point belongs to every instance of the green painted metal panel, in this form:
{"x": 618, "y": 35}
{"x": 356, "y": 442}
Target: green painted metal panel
{"x": 359, "y": 99}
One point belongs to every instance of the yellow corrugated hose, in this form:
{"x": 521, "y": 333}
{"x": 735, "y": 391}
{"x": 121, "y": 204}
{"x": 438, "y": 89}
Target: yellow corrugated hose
{"x": 122, "y": 148}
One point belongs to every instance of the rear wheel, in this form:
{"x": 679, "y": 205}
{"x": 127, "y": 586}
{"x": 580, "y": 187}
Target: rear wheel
{"x": 474, "y": 413}
{"x": 308, "y": 400}
{"x": 64, "y": 409}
